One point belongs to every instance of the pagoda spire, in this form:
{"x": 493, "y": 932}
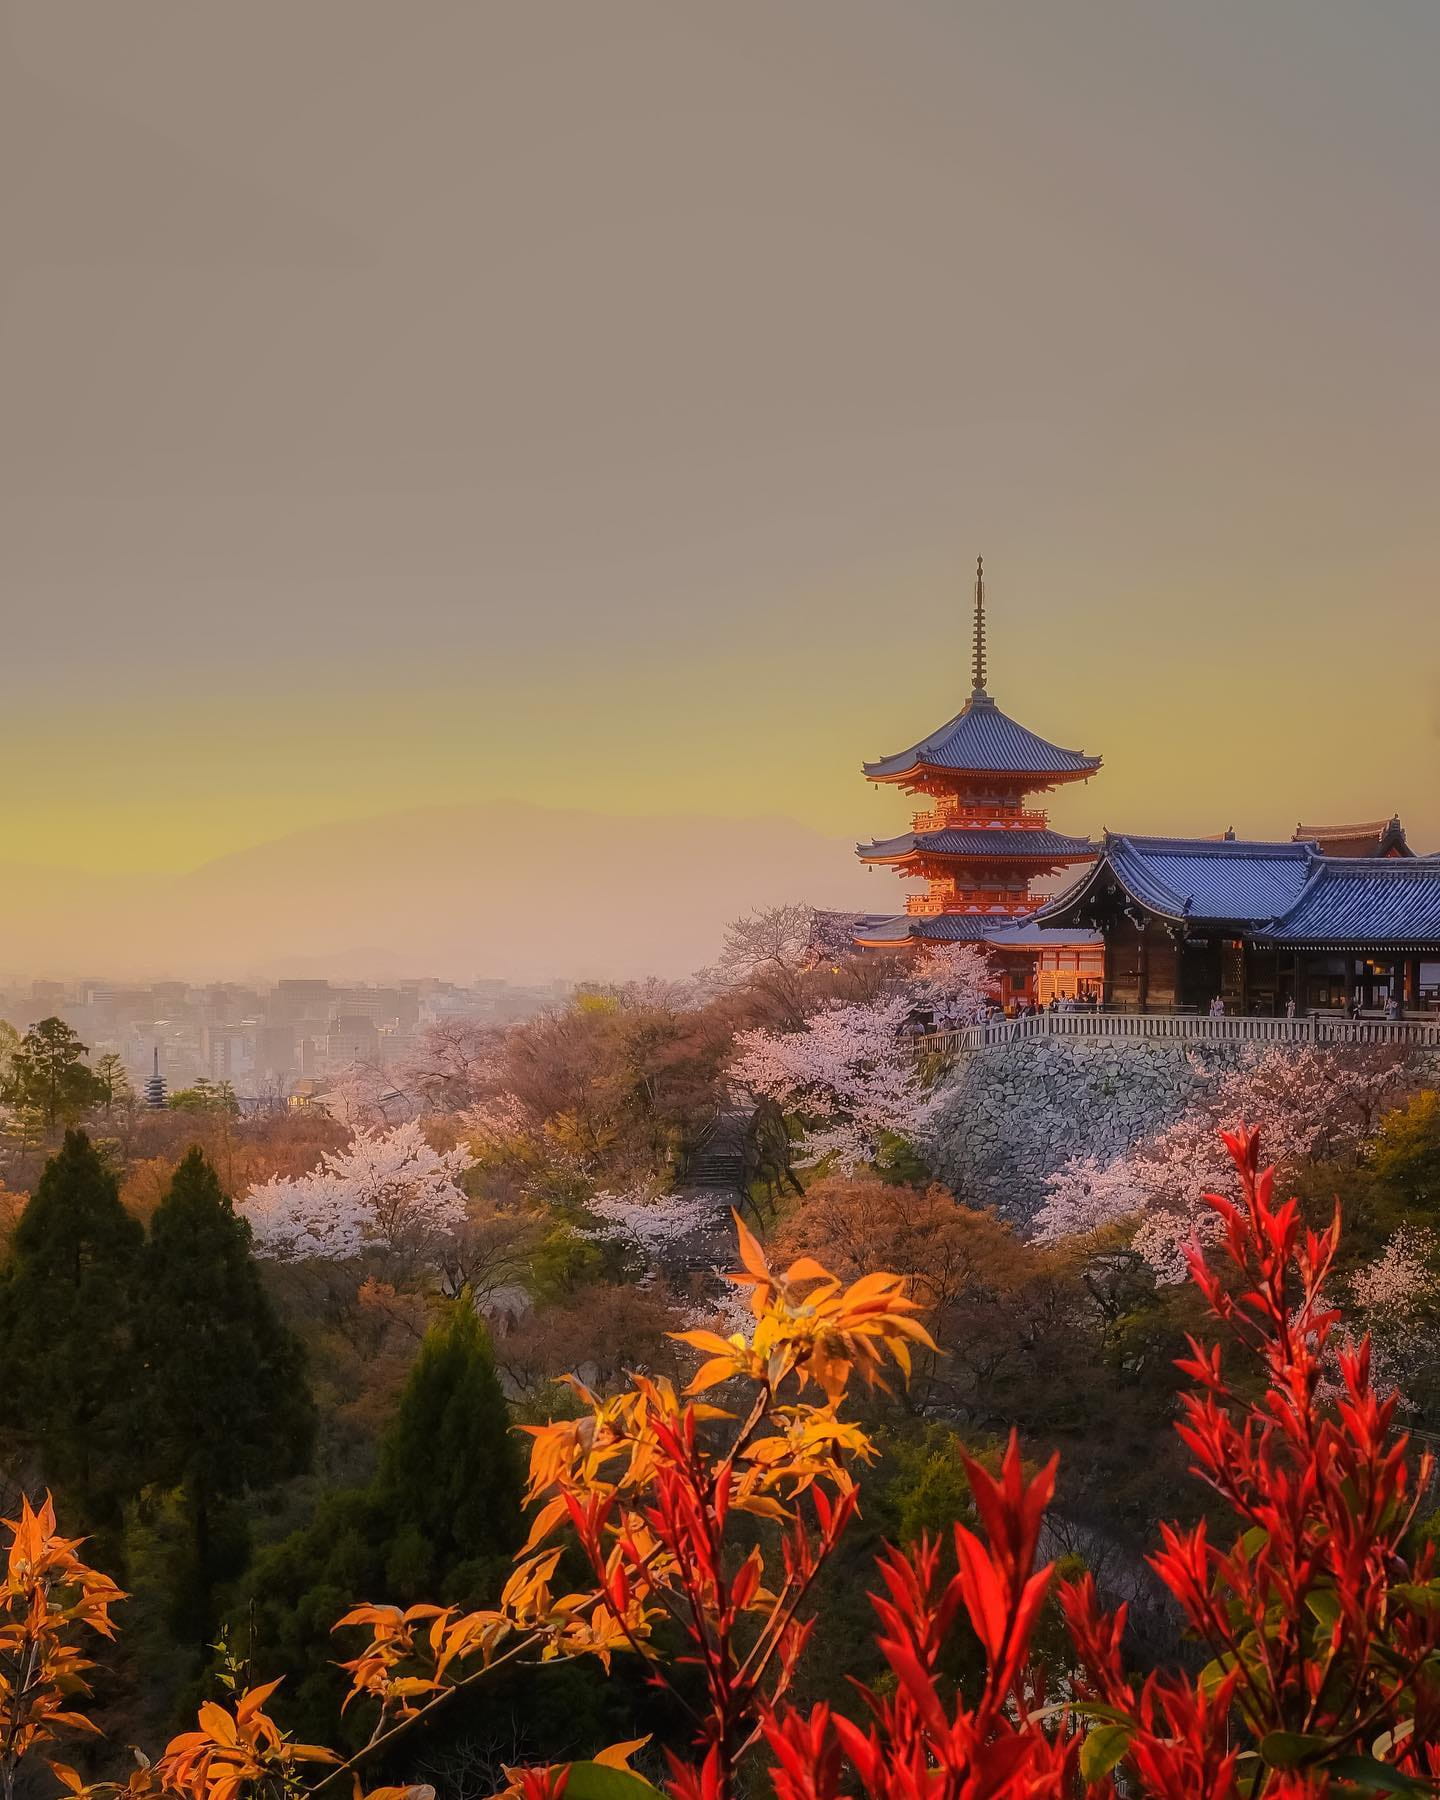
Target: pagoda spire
{"x": 978, "y": 665}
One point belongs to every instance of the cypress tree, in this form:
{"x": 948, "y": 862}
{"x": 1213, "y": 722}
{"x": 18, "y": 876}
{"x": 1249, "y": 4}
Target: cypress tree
{"x": 227, "y": 1406}
{"x": 439, "y": 1521}
{"x": 450, "y": 1475}
{"x": 69, "y": 1364}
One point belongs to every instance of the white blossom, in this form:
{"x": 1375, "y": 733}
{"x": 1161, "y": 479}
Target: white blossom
{"x": 953, "y": 981}
{"x": 386, "y": 1190}
{"x": 651, "y": 1223}
{"x": 1085, "y": 1194}
{"x": 1393, "y": 1301}
{"x": 847, "y": 1074}
{"x": 1308, "y": 1104}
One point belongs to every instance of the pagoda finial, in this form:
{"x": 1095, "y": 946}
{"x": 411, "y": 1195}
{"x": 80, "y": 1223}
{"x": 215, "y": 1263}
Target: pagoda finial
{"x": 978, "y": 666}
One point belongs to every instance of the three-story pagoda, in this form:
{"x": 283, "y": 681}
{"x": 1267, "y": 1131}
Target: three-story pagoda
{"x": 976, "y": 841}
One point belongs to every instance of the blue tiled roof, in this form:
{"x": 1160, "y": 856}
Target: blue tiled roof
{"x": 971, "y": 928}
{"x": 1190, "y": 878}
{"x": 1051, "y": 846}
{"x": 1025, "y": 934}
{"x": 937, "y": 928}
{"x": 1284, "y": 893}
{"x": 1366, "y": 900}
{"x": 982, "y": 739}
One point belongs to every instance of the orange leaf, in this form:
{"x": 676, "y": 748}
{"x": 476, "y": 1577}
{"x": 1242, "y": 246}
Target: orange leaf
{"x": 217, "y": 1723}
{"x": 751, "y": 1254}
{"x": 709, "y": 1341}
{"x": 548, "y": 1517}
{"x": 712, "y": 1373}
{"x": 805, "y": 1268}
{"x": 617, "y": 1756}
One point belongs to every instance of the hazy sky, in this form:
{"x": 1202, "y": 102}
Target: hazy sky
{"x": 601, "y": 404}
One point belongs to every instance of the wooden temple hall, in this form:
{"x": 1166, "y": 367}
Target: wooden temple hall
{"x": 1260, "y": 925}
{"x": 1339, "y": 917}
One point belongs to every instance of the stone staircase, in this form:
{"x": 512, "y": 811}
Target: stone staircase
{"x": 715, "y": 1173}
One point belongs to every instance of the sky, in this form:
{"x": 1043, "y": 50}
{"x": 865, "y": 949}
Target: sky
{"x": 599, "y": 405}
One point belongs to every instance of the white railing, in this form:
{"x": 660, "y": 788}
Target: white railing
{"x": 1185, "y": 1027}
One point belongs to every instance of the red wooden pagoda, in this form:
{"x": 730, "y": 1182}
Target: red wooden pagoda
{"x": 975, "y": 842}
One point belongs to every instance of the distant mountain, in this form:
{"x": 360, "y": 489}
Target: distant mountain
{"x": 509, "y": 890}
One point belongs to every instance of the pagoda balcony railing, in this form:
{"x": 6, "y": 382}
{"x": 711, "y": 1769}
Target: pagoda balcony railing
{"x": 982, "y": 818}
{"x": 928, "y": 906}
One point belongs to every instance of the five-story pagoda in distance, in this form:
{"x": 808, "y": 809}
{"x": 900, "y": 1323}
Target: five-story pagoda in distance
{"x": 975, "y": 842}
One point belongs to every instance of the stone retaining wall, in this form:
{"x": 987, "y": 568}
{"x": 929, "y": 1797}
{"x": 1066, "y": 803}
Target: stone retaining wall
{"x": 1011, "y": 1114}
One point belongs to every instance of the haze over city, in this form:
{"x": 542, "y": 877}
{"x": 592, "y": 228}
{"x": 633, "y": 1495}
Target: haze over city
{"x": 477, "y": 481}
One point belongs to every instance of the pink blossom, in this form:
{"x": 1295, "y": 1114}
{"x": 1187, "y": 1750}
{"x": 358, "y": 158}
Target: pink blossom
{"x": 847, "y": 1074}
{"x": 953, "y": 981}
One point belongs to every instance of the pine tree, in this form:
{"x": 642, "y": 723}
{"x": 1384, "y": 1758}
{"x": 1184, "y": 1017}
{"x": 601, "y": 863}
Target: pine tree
{"x": 226, "y": 1403}
{"x": 48, "y": 1077}
{"x": 113, "y": 1081}
{"x": 69, "y": 1366}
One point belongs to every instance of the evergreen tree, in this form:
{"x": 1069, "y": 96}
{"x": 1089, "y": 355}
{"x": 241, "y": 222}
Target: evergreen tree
{"x": 69, "y": 1366}
{"x": 227, "y": 1407}
{"x": 113, "y": 1081}
{"x": 440, "y": 1520}
{"x": 451, "y": 1477}
{"x": 49, "y": 1077}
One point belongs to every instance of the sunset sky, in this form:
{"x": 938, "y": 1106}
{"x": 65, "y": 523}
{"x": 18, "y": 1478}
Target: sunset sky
{"x": 601, "y": 404}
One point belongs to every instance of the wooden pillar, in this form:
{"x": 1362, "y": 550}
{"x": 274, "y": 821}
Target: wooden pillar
{"x": 1142, "y": 982}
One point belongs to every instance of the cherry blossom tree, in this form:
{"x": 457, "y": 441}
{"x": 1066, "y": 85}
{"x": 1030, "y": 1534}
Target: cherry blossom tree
{"x": 1310, "y": 1104}
{"x": 954, "y": 981}
{"x": 362, "y": 1096}
{"x": 653, "y": 1224}
{"x": 1085, "y": 1195}
{"x": 847, "y": 1074}
{"x": 386, "y": 1190}
{"x": 454, "y": 1062}
{"x": 1394, "y": 1300}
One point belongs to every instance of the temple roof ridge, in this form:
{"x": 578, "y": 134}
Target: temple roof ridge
{"x": 1285, "y": 892}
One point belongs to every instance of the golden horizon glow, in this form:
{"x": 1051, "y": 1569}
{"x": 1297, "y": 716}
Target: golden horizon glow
{"x": 608, "y": 418}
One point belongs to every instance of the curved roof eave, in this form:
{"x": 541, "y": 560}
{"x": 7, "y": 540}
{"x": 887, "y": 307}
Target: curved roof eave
{"x": 982, "y": 740}
{"x": 978, "y": 846}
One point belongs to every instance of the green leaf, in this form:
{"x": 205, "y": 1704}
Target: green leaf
{"x": 1215, "y": 1672}
{"x": 1324, "y": 1604}
{"x": 1377, "y": 1777}
{"x": 1424, "y": 1596}
{"x": 593, "y": 1781}
{"x": 1102, "y": 1749}
{"x": 1288, "y": 1749}
{"x": 1255, "y": 1540}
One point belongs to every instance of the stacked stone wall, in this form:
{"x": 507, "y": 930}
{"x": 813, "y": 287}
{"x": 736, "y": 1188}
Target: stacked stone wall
{"x": 1009, "y": 1115}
